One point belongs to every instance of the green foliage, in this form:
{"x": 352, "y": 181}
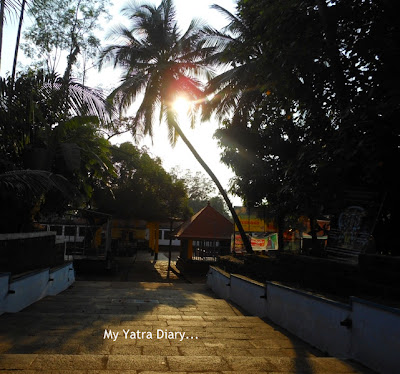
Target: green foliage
{"x": 200, "y": 191}
{"x": 159, "y": 62}
{"x": 21, "y": 191}
{"x": 198, "y": 186}
{"x": 7, "y": 9}
{"x": 49, "y": 124}
{"x": 63, "y": 27}
{"x": 36, "y": 104}
{"x": 310, "y": 102}
{"x": 141, "y": 188}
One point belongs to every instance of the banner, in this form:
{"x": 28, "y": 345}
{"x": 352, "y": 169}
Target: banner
{"x": 265, "y": 243}
{"x": 253, "y": 220}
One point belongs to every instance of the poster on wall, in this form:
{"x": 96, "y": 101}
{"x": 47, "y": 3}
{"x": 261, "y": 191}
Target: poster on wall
{"x": 253, "y": 220}
{"x": 261, "y": 231}
{"x": 267, "y": 242}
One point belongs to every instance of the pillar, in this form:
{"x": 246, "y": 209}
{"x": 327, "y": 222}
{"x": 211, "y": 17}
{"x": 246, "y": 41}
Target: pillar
{"x": 190, "y": 249}
{"x": 156, "y": 235}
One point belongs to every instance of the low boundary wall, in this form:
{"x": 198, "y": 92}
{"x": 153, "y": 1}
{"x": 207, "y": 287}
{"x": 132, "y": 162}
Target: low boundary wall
{"x": 366, "y": 332}
{"x": 16, "y": 293}
{"x": 27, "y": 251}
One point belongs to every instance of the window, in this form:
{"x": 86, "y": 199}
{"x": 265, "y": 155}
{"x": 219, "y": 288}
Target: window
{"x": 57, "y": 229}
{"x": 70, "y": 231}
{"x": 82, "y": 231}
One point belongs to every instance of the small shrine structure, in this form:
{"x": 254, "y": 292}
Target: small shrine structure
{"x": 204, "y": 237}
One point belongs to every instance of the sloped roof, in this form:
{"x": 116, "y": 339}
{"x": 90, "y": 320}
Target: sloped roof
{"x": 206, "y": 224}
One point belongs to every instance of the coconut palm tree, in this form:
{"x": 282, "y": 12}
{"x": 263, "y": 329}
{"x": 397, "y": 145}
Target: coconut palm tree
{"x": 6, "y": 7}
{"x": 162, "y": 63}
{"x": 33, "y": 183}
{"x": 23, "y": 191}
{"x": 35, "y": 103}
{"x": 21, "y": 19}
{"x": 238, "y": 89}
{"x": 50, "y": 126}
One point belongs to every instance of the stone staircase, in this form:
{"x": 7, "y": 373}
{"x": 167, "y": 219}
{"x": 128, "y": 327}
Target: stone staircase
{"x": 75, "y": 332}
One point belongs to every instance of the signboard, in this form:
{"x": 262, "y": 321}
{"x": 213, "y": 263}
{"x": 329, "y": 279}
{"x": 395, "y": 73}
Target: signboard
{"x": 352, "y": 232}
{"x": 259, "y": 243}
{"x": 253, "y": 220}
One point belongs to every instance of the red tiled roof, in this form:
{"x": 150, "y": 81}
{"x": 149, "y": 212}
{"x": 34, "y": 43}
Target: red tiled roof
{"x": 206, "y": 224}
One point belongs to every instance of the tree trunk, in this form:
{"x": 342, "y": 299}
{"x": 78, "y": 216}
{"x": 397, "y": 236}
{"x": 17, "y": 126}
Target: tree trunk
{"x": 2, "y": 5}
{"x": 245, "y": 239}
{"x": 21, "y": 19}
{"x": 281, "y": 223}
{"x": 314, "y": 240}
{"x": 169, "y": 247}
{"x": 74, "y": 49}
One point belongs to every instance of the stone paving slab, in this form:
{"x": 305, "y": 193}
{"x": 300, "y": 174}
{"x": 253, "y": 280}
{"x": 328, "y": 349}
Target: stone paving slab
{"x": 166, "y": 364}
{"x": 66, "y": 334}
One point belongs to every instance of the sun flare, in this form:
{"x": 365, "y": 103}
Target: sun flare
{"x": 181, "y": 105}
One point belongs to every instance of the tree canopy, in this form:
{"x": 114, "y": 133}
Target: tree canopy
{"x": 141, "y": 188}
{"x": 162, "y": 63}
{"x": 308, "y": 102}
{"x": 61, "y": 32}
{"x": 200, "y": 191}
{"x": 159, "y": 62}
{"x": 317, "y": 116}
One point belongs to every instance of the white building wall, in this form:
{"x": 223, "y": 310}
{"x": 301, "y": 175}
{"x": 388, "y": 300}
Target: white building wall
{"x": 373, "y": 338}
{"x": 19, "y": 293}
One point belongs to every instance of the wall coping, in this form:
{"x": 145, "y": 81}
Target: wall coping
{"x": 375, "y": 305}
{"x": 356, "y": 344}
{"x": 312, "y": 296}
{"x": 27, "y": 274}
{"x": 22, "y": 276}
{"x": 58, "y": 267}
{"x": 26, "y": 235}
{"x": 223, "y": 272}
{"x": 247, "y": 279}
{"x": 294, "y": 290}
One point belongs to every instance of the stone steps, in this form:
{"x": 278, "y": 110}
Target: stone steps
{"x": 89, "y": 363}
{"x": 72, "y": 333}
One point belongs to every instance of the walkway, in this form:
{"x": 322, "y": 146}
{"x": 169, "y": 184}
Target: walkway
{"x": 129, "y": 327}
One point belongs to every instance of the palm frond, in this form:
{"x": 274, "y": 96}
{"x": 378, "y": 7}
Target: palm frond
{"x": 12, "y": 6}
{"x": 159, "y": 62}
{"x": 79, "y": 99}
{"x": 124, "y": 95}
{"x": 35, "y": 183}
{"x": 235, "y": 25}
{"x": 172, "y": 124}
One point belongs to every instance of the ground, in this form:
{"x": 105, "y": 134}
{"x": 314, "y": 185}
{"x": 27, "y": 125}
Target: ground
{"x": 85, "y": 330}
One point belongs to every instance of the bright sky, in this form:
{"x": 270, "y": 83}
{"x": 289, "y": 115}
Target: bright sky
{"x": 201, "y": 137}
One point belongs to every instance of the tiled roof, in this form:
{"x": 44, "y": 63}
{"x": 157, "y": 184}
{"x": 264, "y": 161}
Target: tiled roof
{"x": 206, "y": 224}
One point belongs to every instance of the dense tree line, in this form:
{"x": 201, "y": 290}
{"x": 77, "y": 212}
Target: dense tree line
{"x": 141, "y": 188}
{"x": 200, "y": 191}
{"x": 307, "y": 99}
{"x": 314, "y": 94}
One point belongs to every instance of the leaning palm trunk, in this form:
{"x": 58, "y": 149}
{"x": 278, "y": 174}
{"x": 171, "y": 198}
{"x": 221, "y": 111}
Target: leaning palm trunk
{"x": 21, "y": 19}
{"x": 2, "y": 5}
{"x": 246, "y": 241}
{"x": 162, "y": 63}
